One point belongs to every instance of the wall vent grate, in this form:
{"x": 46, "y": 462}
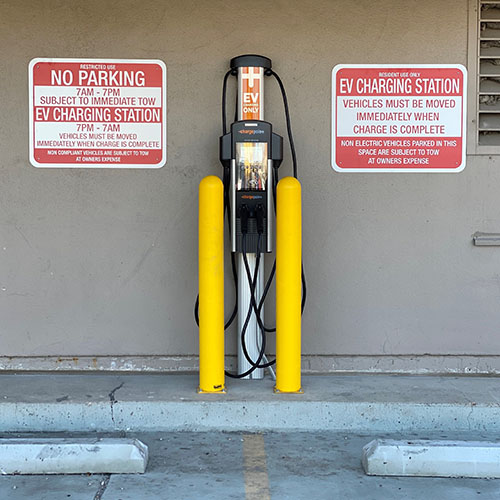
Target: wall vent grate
{"x": 488, "y": 73}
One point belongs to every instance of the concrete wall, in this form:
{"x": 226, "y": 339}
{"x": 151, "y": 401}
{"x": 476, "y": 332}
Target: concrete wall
{"x": 97, "y": 262}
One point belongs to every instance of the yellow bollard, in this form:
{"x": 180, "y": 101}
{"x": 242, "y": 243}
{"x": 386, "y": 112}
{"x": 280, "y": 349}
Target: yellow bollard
{"x": 288, "y": 285}
{"x": 211, "y": 284}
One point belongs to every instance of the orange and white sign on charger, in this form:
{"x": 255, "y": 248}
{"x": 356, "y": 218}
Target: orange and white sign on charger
{"x": 251, "y": 93}
{"x": 98, "y": 113}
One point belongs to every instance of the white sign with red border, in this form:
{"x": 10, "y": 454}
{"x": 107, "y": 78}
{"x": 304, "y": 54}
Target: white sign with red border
{"x": 98, "y": 113}
{"x": 398, "y": 117}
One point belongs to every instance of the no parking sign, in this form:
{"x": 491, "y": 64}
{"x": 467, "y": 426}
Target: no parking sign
{"x": 105, "y": 113}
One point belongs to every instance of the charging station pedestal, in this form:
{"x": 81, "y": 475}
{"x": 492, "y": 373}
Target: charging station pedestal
{"x": 251, "y": 150}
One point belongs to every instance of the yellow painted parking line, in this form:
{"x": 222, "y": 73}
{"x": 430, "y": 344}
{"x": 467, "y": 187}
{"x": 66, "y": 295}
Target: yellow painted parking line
{"x": 255, "y": 468}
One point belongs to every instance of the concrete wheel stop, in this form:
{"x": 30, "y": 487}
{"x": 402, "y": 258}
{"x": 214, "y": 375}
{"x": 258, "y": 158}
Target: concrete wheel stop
{"x": 72, "y": 456}
{"x": 474, "y": 459}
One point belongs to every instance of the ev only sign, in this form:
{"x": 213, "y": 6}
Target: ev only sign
{"x": 105, "y": 113}
{"x": 398, "y": 118}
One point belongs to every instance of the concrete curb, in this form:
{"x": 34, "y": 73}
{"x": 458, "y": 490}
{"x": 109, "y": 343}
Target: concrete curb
{"x": 140, "y": 403}
{"x": 247, "y": 416}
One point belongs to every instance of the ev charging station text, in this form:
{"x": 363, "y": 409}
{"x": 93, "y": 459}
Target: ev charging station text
{"x": 398, "y": 119}
{"x": 97, "y": 113}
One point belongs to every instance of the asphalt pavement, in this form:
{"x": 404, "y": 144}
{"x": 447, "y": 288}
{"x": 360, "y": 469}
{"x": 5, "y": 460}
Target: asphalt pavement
{"x": 252, "y": 466}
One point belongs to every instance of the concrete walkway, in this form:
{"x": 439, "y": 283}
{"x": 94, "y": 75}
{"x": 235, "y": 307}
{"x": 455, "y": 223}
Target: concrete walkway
{"x": 269, "y": 466}
{"x": 149, "y": 403}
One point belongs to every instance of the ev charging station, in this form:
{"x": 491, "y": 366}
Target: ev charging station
{"x": 251, "y": 151}
{"x": 250, "y": 195}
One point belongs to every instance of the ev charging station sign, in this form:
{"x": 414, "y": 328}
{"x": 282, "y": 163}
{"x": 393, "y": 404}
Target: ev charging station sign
{"x": 398, "y": 118}
{"x": 98, "y": 113}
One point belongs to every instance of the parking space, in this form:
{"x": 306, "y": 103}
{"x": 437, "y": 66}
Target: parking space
{"x": 218, "y": 465}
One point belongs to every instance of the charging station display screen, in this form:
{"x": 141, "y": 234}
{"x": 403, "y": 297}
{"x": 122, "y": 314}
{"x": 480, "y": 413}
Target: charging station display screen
{"x": 251, "y": 166}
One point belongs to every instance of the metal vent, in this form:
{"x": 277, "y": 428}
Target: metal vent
{"x": 488, "y": 105}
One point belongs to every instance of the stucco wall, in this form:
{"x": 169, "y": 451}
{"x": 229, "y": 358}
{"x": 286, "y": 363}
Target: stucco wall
{"x": 96, "y": 262}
